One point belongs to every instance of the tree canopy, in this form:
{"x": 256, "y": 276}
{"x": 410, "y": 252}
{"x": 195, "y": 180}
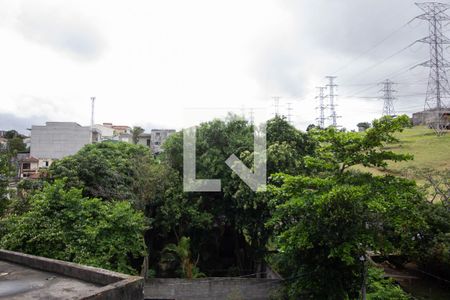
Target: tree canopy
{"x": 63, "y": 224}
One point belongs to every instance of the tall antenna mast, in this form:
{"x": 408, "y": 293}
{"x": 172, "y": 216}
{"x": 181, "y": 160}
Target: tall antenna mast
{"x": 388, "y": 98}
{"x": 92, "y": 117}
{"x": 321, "y": 107}
{"x": 438, "y": 90}
{"x": 332, "y": 100}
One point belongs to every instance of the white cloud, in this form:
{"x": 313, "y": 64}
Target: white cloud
{"x": 146, "y": 61}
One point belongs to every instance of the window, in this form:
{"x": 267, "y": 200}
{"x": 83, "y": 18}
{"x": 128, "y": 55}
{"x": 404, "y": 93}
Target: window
{"x": 46, "y": 163}
{"x": 148, "y": 142}
{"x": 156, "y": 143}
{"x": 26, "y": 166}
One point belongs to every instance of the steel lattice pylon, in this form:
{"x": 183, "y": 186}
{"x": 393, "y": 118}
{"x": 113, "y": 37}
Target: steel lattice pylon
{"x": 438, "y": 91}
{"x": 331, "y": 86}
{"x": 388, "y": 98}
{"x": 321, "y": 107}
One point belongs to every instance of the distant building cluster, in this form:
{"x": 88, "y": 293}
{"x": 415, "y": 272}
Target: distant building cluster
{"x": 56, "y": 140}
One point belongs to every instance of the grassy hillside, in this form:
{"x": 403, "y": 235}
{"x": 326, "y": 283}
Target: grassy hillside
{"x": 429, "y": 150}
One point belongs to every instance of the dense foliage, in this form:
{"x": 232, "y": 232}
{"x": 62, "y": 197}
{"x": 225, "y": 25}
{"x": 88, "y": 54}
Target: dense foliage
{"x": 108, "y": 170}
{"x": 325, "y": 227}
{"x": 116, "y": 206}
{"x": 63, "y": 224}
{"x": 4, "y": 176}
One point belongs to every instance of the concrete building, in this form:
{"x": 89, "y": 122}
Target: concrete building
{"x": 155, "y": 139}
{"x": 56, "y": 140}
{"x": 145, "y": 139}
{"x": 427, "y": 117}
{"x": 107, "y": 132}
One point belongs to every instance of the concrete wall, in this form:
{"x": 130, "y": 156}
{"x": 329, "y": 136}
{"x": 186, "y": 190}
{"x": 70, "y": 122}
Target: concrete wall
{"x": 220, "y": 288}
{"x": 158, "y": 137}
{"x": 56, "y": 140}
{"x": 113, "y": 285}
{"x": 430, "y": 116}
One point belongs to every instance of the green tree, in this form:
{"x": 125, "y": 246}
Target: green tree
{"x": 380, "y": 288}
{"x": 4, "y": 179}
{"x": 10, "y": 134}
{"x": 16, "y": 145}
{"x": 324, "y": 226}
{"x": 125, "y": 172}
{"x": 326, "y": 221}
{"x": 108, "y": 170}
{"x": 179, "y": 256}
{"x": 62, "y": 224}
{"x": 338, "y": 150}
{"x": 136, "y": 132}
{"x": 238, "y": 213}
{"x": 363, "y": 125}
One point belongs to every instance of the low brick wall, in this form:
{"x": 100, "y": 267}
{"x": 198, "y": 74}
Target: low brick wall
{"x": 112, "y": 285}
{"x": 218, "y": 288}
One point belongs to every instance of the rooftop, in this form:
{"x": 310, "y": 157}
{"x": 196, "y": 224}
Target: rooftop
{"x": 20, "y": 282}
{"x": 24, "y": 277}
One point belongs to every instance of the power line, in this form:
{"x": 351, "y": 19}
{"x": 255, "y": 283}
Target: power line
{"x": 381, "y": 62}
{"x": 371, "y": 48}
{"x": 391, "y": 75}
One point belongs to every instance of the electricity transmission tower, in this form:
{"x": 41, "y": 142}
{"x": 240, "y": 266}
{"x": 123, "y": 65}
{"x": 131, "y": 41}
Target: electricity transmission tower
{"x": 289, "y": 113}
{"x": 321, "y": 107}
{"x": 388, "y": 98}
{"x": 332, "y": 100}
{"x": 276, "y": 105}
{"x": 252, "y": 118}
{"x": 438, "y": 91}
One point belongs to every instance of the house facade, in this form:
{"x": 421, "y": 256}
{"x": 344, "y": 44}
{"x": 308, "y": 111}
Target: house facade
{"x": 28, "y": 166}
{"x": 111, "y": 132}
{"x": 56, "y": 140}
{"x": 155, "y": 139}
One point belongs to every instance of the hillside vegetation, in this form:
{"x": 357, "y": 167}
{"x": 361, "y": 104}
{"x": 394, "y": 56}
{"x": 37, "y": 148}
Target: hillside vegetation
{"x": 429, "y": 150}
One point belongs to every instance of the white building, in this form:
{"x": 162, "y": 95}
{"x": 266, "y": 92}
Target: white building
{"x": 56, "y": 140}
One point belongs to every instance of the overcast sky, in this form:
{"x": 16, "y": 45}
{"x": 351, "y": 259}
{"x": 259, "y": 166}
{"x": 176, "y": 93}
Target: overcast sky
{"x": 158, "y": 63}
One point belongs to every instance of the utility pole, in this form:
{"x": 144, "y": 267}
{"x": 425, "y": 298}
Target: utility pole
{"x": 276, "y": 105}
{"x": 92, "y": 118}
{"x": 388, "y": 98}
{"x": 252, "y": 120}
{"x": 321, "y": 107}
{"x": 438, "y": 90}
{"x": 332, "y": 100}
